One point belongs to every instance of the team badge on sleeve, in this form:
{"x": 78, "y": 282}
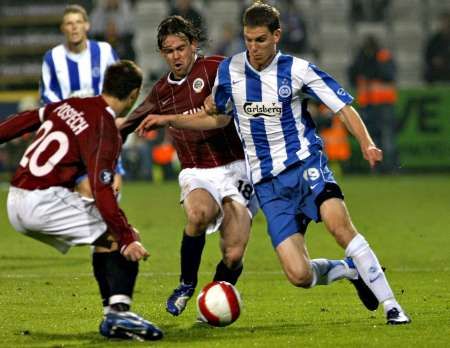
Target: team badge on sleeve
{"x": 106, "y": 176}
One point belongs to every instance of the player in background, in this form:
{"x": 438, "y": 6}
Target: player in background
{"x": 76, "y": 68}
{"x": 215, "y": 191}
{"x": 268, "y": 94}
{"x": 74, "y": 136}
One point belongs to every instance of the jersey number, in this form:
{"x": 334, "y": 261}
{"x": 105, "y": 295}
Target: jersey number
{"x": 44, "y": 138}
{"x": 245, "y": 189}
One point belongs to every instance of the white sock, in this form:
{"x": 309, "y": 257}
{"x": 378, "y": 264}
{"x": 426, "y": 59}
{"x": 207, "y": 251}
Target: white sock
{"x": 106, "y": 310}
{"x": 114, "y": 299}
{"x": 327, "y": 271}
{"x": 370, "y": 271}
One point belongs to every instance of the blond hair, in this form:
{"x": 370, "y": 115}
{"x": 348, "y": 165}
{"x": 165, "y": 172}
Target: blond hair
{"x": 76, "y": 9}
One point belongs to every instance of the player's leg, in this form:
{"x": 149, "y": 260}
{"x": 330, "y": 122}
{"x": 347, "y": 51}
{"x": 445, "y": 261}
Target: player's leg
{"x": 335, "y": 215}
{"x": 295, "y": 260}
{"x": 234, "y": 235}
{"x": 201, "y": 209}
{"x": 65, "y": 219}
{"x": 115, "y": 275}
{"x": 116, "y": 278}
{"x": 282, "y": 200}
{"x": 303, "y": 272}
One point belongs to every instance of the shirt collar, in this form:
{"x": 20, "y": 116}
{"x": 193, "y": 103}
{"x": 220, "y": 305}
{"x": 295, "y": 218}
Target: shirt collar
{"x": 272, "y": 63}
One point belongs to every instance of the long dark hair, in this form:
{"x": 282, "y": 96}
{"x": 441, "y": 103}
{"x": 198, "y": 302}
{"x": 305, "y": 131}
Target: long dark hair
{"x": 177, "y": 25}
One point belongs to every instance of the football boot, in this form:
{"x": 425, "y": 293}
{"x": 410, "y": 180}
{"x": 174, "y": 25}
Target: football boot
{"x": 177, "y": 301}
{"x": 397, "y": 317}
{"x": 128, "y": 325}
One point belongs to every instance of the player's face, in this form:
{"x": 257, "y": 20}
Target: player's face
{"x": 75, "y": 28}
{"x": 179, "y": 54}
{"x": 261, "y": 45}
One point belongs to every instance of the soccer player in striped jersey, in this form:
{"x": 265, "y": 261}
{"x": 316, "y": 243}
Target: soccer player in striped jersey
{"x": 76, "y": 69}
{"x": 267, "y": 93}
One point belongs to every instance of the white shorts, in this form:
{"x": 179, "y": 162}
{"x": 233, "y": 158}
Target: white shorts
{"x": 230, "y": 180}
{"x": 55, "y": 216}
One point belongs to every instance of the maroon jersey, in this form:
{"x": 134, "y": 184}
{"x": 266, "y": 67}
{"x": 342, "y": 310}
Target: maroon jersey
{"x": 199, "y": 149}
{"x": 73, "y": 137}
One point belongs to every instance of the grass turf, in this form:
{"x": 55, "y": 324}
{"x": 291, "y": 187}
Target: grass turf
{"x": 50, "y": 300}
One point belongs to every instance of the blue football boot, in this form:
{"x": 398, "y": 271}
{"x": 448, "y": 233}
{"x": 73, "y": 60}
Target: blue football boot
{"x": 176, "y": 303}
{"x": 128, "y": 325}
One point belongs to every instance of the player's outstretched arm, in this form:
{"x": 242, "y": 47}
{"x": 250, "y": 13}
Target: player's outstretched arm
{"x": 19, "y": 124}
{"x": 198, "y": 121}
{"x": 356, "y": 126}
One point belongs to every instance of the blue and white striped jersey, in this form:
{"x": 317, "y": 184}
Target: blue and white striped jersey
{"x": 270, "y": 109}
{"x": 66, "y": 74}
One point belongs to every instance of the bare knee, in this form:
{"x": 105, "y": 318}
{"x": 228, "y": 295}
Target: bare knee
{"x": 198, "y": 221}
{"x": 233, "y": 256}
{"x": 298, "y": 277}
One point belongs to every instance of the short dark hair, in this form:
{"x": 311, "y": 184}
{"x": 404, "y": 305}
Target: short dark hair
{"x": 121, "y": 78}
{"x": 76, "y": 9}
{"x": 262, "y": 15}
{"x": 177, "y": 25}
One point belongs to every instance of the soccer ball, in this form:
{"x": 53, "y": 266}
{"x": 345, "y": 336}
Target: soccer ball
{"x": 219, "y": 304}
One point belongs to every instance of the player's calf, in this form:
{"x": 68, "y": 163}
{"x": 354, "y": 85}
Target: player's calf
{"x": 227, "y": 274}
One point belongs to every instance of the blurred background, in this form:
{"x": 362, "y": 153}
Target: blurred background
{"x": 393, "y": 55}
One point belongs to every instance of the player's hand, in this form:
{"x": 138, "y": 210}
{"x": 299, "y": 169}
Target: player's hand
{"x": 135, "y": 252}
{"x": 372, "y": 154}
{"x": 152, "y": 122}
{"x": 209, "y": 105}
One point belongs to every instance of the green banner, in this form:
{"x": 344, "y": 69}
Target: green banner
{"x": 423, "y": 132}
{"x": 423, "y": 125}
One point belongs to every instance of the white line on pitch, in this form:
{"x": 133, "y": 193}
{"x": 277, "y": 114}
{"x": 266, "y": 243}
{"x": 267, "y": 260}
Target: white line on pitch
{"x": 171, "y": 274}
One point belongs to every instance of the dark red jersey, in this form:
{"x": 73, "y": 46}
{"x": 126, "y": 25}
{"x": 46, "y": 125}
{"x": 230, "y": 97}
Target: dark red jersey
{"x": 74, "y": 137}
{"x": 199, "y": 149}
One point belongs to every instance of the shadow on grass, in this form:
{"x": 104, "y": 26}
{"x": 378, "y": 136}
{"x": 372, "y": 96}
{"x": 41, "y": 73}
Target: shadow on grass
{"x": 197, "y": 333}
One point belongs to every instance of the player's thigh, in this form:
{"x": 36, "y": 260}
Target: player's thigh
{"x": 235, "y": 228}
{"x": 200, "y": 204}
{"x": 337, "y": 219}
{"x": 83, "y": 187}
{"x": 294, "y": 259}
{"x": 56, "y": 216}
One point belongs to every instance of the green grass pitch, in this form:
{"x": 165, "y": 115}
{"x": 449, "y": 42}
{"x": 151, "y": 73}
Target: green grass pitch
{"x": 51, "y": 300}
